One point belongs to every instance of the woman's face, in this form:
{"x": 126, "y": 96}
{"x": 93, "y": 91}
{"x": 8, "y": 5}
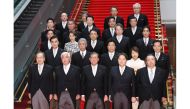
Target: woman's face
{"x": 72, "y": 37}
{"x": 146, "y": 32}
{"x": 134, "y": 54}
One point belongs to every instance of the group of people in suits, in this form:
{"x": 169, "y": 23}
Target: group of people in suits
{"x": 123, "y": 66}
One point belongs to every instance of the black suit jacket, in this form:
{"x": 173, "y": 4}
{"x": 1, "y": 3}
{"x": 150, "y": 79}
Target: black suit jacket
{"x": 91, "y": 83}
{"x": 44, "y": 37}
{"x": 86, "y": 33}
{"x": 71, "y": 81}
{"x": 81, "y": 26}
{"x": 138, "y": 34}
{"x": 146, "y": 90}
{"x": 163, "y": 62}
{"x": 142, "y": 21}
{"x": 118, "y": 20}
{"x": 44, "y": 46}
{"x": 107, "y": 62}
{"x": 78, "y": 61}
{"x": 123, "y": 46}
{"x": 122, "y": 83}
{"x": 59, "y": 27}
{"x": 106, "y": 34}
{"x": 50, "y": 60}
{"x": 43, "y": 81}
{"x": 143, "y": 49}
{"x": 99, "y": 48}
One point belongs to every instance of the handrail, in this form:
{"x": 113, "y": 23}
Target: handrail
{"x": 76, "y": 10}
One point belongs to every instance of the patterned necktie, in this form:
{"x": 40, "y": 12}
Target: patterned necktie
{"x": 82, "y": 54}
{"x": 151, "y": 75}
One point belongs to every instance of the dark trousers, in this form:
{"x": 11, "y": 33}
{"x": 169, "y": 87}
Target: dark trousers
{"x": 121, "y": 101}
{"x": 94, "y": 102}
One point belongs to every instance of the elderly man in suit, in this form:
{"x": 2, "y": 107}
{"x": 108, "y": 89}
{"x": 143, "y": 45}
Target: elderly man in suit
{"x": 40, "y": 83}
{"x": 151, "y": 85}
{"x": 94, "y": 83}
{"x": 122, "y": 84}
{"x": 67, "y": 85}
{"x": 83, "y": 24}
{"x": 142, "y": 19}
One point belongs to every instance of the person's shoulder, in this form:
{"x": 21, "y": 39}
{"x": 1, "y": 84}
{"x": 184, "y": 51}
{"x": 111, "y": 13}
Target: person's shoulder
{"x": 33, "y": 65}
{"x": 48, "y": 66}
{"x": 102, "y": 66}
{"x": 75, "y": 67}
{"x": 143, "y": 15}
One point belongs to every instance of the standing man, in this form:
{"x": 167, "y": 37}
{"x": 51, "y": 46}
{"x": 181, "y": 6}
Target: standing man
{"x": 83, "y": 24}
{"x": 67, "y": 86}
{"x": 118, "y": 19}
{"x": 40, "y": 83}
{"x": 94, "y": 83}
{"x": 142, "y": 19}
{"x": 162, "y": 60}
{"x": 122, "y": 84}
{"x": 151, "y": 85}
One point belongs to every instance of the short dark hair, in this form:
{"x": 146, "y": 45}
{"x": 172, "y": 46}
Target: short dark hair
{"x": 50, "y": 19}
{"x": 71, "y": 20}
{"x": 90, "y": 16}
{"x": 149, "y": 55}
{"x": 146, "y": 27}
{"x": 155, "y": 41}
{"x": 40, "y": 52}
{"x": 132, "y": 17}
{"x": 113, "y": 7}
{"x": 110, "y": 40}
{"x": 119, "y": 24}
{"x": 135, "y": 48}
{"x": 74, "y": 33}
{"x": 94, "y": 29}
{"x": 111, "y": 17}
{"x": 53, "y": 37}
{"x": 123, "y": 54}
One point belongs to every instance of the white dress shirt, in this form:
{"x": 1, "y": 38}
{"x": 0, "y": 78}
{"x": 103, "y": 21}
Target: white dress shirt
{"x": 111, "y": 55}
{"x": 85, "y": 24}
{"x": 40, "y": 68}
{"x": 157, "y": 55}
{"x": 119, "y": 38}
{"x": 55, "y": 52}
{"x": 137, "y": 16}
{"x": 135, "y": 64}
{"x": 66, "y": 68}
{"x": 93, "y": 43}
{"x": 64, "y": 24}
{"x": 151, "y": 73}
{"x": 94, "y": 69}
{"x": 90, "y": 28}
{"x": 83, "y": 53}
{"x": 121, "y": 69}
{"x": 112, "y": 30}
{"x": 146, "y": 40}
{"x": 49, "y": 44}
{"x": 134, "y": 29}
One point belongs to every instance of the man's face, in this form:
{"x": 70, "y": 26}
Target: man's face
{"x": 90, "y": 21}
{"x": 71, "y": 25}
{"x": 146, "y": 32}
{"x": 112, "y": 23}
{"x": 82, "y": 45}
{"x": 50, "y": 24}
{"x": 122, "y": 60}
{"x": 136, "y": 10}
{"x": 114, "y": 12}
{"x": 111, "y": 46}
{"x": 84, "y": 18}
{"x": 65, "y": 59}
{"x": 54, "y": 43}
{"x": 94, "y": 59}
{"x": 64, "y": 17}
{"x": 157, "y": 47}
{"x": 40, "y": 58}
{"x": 49, "y": 34}
{"x": 118, "y": 30}
{"x": 93, "y": 35}
{"x": 133, "y": 22}
{"x": 150, "y": 61}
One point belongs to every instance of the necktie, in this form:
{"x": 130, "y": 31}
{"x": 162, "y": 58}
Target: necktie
{"x": 40, "y": 69}
{"x": 54, "y": 52}
{"x": 122, "y": 70}
{"x": 82, "y": 54}
{"x": 112, "y": 32}
{"x": 157, "y": 56}
{"x": 111, "y": 56}
{"x": 93, "y": 44}
{"x": 65, "y": 70}
{"x": 151, "y": 75}
{"x": 93, "y": 71}
{"x": 146, "y": 41}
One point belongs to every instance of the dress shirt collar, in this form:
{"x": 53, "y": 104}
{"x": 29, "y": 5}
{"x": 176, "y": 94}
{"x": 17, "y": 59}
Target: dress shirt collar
{"x": 66, "y": 68}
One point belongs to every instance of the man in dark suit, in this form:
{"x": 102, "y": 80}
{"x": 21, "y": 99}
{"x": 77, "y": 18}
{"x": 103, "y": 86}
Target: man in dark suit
{"x": 67, "y": 85}
{"x": 141, "y": 18}
{"x": 94, "y": 83}
{"x": 81, "y": 58}
{"x": 83, "y": 24}
{"x": 46, "y": 45}
{"x": 122, "y": 42}
{"x": 151, "y": 85}
{"x": 90, "y": 26}
{"x": 53, "y": 55}
{"x": 134, "y": 33}
{"x": 109, "y": 59}
{"x": 62, "y": 26}
{"x": 109, "y": 32}
{"x": 145, "y": 44}
{"x": 40, "y": 83}
{"x": 122, "y": 84}
{"x": 71, "y": 27}
{"x": 118, "y": 19}
{"x": 162, "y": 60}
{"x": 95, "y": 45}
{"x": 50, "y": 26}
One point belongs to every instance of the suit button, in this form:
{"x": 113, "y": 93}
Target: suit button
{"x": 66, "y": 89}
{"x": 94, "y": 89}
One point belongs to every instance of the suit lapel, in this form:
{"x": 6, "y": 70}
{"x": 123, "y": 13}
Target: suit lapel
{"x": 146, "y": 76}
{"x": 155, "y": 76}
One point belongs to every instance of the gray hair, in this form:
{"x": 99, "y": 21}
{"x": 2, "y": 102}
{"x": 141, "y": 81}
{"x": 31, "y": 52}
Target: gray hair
{"x": 93, "y": 53}
{"x": 137, "y": 5}
{"x": 85, "y": 14}
{"x": 66, "y": 54}
{"x": 82, "y": 39}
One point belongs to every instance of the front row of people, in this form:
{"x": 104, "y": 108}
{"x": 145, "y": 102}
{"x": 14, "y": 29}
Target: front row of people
{"x": 95, "y": 83}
